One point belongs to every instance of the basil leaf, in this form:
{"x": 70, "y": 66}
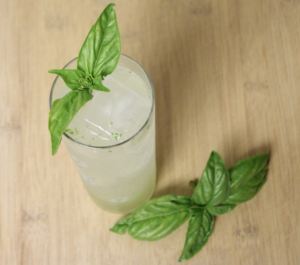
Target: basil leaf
{"x": 196, "y": 209}
{"x": 199, "y": 230}
{"x": 261, "y": 183}
{"x": 70, "y": 76}
{"x": 98, "y": 57}
{"x": 247, "y": 178}
{"x": 62, "y": 112}
{"x": 213, "y": 187}
{"x": 101, "y": 50}
{"x": 161, "y": 216}
{"x": 156, "y": 218}
{"x": 97, "y": 85}
{"x": 246, "y": 169}
{"x": 220, "y": 209}
{"x": 249, "y": 189}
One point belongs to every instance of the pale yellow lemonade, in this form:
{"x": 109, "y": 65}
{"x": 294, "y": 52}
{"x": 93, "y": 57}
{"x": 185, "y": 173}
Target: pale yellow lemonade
{"x": 112, "y": 139}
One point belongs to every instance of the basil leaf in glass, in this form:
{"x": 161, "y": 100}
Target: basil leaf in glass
{"x": 70, "y": 76}
{"x": 199, "y": 230}
{"x": 62, "y": 112}
{"x": 101, "y": 50}
{"x": 213, "y": 187}
{"x": 97, "y": 85}
{"x": 156, "y": 218}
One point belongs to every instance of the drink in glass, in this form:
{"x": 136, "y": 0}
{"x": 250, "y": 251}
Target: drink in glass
{"x": 112, "y": 138}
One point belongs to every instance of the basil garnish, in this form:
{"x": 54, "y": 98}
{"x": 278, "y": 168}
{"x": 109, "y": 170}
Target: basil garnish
{"x": 98, "y": 57}
{"x": 219, "y": 191}
{"x": 62, "y": 112}
{"x": 100, "y": 52}
{"x": 70, "y": 76}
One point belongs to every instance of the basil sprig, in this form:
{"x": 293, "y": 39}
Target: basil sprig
{"x": 219, "y": 191}
{"x": 98, "y": 57}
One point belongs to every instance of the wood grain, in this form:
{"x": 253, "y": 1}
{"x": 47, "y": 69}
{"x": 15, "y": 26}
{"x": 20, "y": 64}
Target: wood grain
{"x": 226, "y": 76}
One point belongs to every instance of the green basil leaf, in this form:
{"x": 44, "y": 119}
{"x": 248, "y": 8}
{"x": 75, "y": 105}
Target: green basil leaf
{"x": 213, "y": 187}
{"x": 246, "y": 169}
{"x": 249, "y": 189}
{"x": 220, "y": 209}
{"x": 97, "y": 85}
{"x": 101, "y": 50}
{"x": 196, "y": 209}
{"x": 70, "y": 76}
{"x": 156, "y": 218}
{"x": 261, "y": 184}
{"x": 199, "y": 230}
{"x": 62, "y": 112}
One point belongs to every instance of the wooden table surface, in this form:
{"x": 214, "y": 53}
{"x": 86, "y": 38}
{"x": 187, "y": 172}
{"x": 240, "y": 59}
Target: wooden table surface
{"x": 227, "y": 78}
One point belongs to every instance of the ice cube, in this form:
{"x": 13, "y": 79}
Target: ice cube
{"x": 129, "y": 109}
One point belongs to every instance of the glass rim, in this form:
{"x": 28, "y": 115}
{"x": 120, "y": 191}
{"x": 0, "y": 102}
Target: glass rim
{"x": 118, "y": 144}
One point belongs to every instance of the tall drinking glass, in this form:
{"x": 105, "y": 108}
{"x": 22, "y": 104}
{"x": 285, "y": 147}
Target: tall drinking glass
{"x": 112, "y": 138}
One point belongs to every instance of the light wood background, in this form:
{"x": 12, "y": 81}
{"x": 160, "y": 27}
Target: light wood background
{"x": 227, "y": 78}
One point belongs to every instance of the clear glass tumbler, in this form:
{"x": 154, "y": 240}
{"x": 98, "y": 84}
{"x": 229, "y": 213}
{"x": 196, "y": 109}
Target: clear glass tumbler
{"x": 120, "y": 177}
